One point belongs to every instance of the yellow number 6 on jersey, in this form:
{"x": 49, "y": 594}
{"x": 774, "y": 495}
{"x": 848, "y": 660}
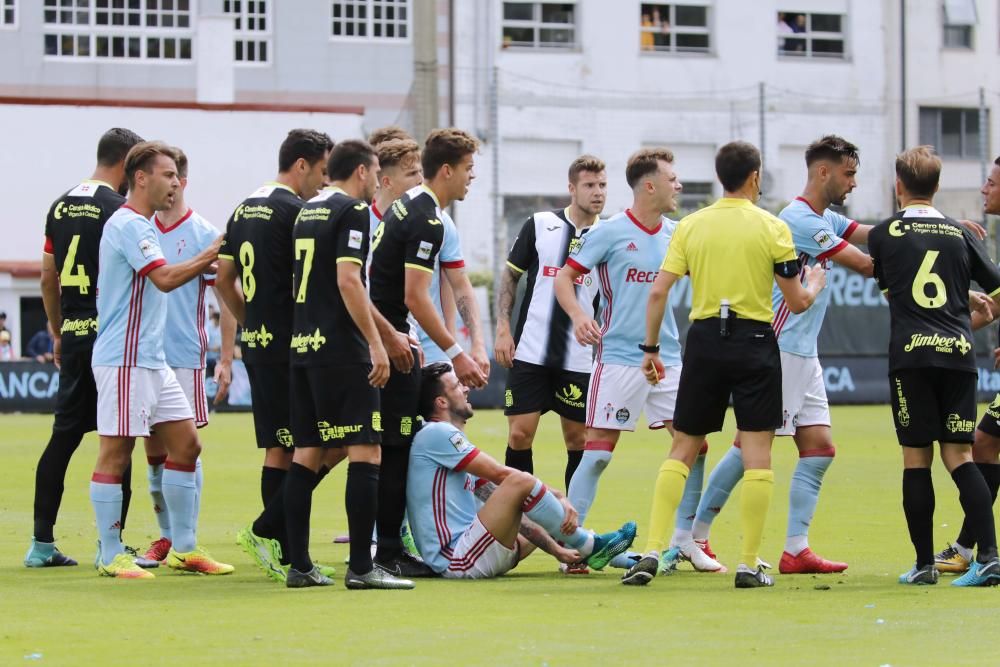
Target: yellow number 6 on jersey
{"x": 926, "y": 277}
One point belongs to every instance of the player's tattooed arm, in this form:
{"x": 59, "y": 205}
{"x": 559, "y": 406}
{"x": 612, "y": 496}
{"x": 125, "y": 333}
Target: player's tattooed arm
{"x": 504, "y": 345}
{"x": 531, "y": 531}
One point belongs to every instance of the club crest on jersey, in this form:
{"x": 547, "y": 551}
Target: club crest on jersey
{"x": 576, "y": 245}
{"x": 622, "y": 415}
{"x": 355, "y": 239}
{"x": 608, "y": 409}
{"x": 823, "y": 240}
{"x": 181, "y": 245}
{"x": 406, "y": 426}
{"x": 424, "y": 251}
{"x": 284, "y": 437}
{"x": 376, "y": 421}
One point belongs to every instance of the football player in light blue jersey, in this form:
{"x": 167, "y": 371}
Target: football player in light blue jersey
{"x": 463, "y": 539}
{"x": 442, "y": 295}
{"x": 136, "y": 390}
{"x": 182, "y": 234}
{"x": 626, "y": 252}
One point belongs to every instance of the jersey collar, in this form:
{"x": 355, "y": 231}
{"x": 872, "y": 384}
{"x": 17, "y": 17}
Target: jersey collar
{"x": 808, "y": 203}
{"x": 565, "y": 212}
{"x": 378, "y": 213}
{"x": 641, "y": 226}
{"x": 162, "y": 228}
{"x": 921, "y": 211}
{"x": 98, "y": 182}
{"x": 431, "y": 193}
{"x": 276, "y": 184}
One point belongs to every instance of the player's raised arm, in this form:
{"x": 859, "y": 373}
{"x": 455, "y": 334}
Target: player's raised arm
{"x": 169, "y": 277}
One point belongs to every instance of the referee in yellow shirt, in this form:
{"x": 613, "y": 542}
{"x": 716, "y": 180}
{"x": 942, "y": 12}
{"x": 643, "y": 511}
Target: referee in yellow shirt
{"x": 734, "y": 251}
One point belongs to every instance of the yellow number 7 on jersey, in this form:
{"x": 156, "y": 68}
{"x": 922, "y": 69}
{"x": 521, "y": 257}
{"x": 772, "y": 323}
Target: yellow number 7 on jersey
{"x": 306, "y": 247}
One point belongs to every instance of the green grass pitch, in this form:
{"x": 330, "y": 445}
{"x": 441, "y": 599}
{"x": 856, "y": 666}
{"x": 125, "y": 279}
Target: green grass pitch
{"x": 533, "y": 616}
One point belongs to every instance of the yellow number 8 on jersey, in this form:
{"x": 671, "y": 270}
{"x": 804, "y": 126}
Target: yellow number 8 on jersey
{"x": 927, "y": 277}
{"x": 247, "y": 260}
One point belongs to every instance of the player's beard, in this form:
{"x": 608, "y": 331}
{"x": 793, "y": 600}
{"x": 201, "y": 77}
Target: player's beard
{"x": 462, "y": 411}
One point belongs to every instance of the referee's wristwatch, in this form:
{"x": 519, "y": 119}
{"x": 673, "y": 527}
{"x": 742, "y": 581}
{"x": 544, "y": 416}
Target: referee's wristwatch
{"x": 650, "y": 349}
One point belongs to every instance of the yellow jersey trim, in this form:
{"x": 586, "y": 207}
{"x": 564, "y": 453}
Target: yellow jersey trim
{"x": 350, "y": 259}
{"x": 417, "y": 266}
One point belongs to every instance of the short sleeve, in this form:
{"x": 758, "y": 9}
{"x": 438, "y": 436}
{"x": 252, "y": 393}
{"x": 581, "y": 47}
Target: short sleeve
{"x": 226, "y": 251}
{"x": 842, "y": 225}
{"x": 591, "y": 250}
{"x": 982, "y": 268}
{"x": 815, "y": 236}
{"x": 423, "y": 243}
{"x": 874, "y": 248}
{"x": 676, "y": 259}
{"x": 140, "y": 246}
{"x": 448, "y": 447}
{"x": 451, "y": 249}
{"x": 48, "y": 248}
{"x": 523, "y": 252}
{"x": 352, "y": 234}
{"x": 782, "y": 247}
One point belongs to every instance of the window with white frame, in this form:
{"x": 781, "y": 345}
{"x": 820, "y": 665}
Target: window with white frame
{"x": 811, "y": 35}
{"x": 370, "y": 19}
{"x": 251, "y": 29}
{"x": 8, "y": 13}
{"x": 549, "y": 25}
{"x": 674, "y": 28}
{"x": 959, "y": 20}
{"x": 953, "y": 132}
{"x": 158, "y": 30}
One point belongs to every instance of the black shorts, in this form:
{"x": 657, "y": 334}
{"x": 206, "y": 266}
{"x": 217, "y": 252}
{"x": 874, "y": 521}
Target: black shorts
{"x": 990, "y": 423}
{"x": 76, "y": 402}
{"x": 931, "y": 404}
{"x": 745, "y": 365}
{"x": 269, "y": 393}
{"x": 334, "y": 406}
{"x": 534, "y": 388}
{"x": 400, "y": 402}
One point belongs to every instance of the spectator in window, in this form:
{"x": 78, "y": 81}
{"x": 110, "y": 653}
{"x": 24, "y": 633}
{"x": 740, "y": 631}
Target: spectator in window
{"x": 661, "y": 34}
{"x": 800, "y": 23}
{"x": 40, "y": 346}
{"x": 784, "y": 28}
{"x": 646, "y": 34}
{"x": 3, "y": 321}
{"x": 6, "y": 349}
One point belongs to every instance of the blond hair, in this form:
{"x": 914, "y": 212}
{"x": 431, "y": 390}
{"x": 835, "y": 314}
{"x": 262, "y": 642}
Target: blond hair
{"x": 919, "y": 170}
{"x": 395, "y": 152}
{"x": 387, "y": 133}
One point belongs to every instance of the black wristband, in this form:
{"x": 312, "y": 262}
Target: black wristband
{"x": 649, "y": 349}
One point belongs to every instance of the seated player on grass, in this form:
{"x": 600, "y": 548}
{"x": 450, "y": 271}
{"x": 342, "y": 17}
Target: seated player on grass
{"x": 456, "y": 536}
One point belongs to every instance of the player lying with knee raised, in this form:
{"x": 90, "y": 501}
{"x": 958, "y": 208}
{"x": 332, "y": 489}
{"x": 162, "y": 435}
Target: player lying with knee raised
{"x": 458, "y": 538}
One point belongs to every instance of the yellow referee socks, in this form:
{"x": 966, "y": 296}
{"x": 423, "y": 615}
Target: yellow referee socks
{"x": 666, "y": 497}
{"x": 755, "y": 498}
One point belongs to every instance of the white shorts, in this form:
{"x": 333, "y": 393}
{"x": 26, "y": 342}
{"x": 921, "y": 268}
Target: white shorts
{"x": 803, "y": 394}
{"x": 192, "y": 381}
{"x": 617, "y": 395}
{"x": 478, "y": 555}
{"x": 132, "y": 400}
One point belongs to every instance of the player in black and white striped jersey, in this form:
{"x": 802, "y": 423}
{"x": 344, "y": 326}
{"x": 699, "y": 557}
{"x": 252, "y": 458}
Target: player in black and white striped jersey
{"x": 549, "y": 369}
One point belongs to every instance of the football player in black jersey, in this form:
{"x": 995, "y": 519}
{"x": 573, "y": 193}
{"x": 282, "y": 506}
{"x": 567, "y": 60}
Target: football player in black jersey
{"x": 924, "y": 264}
{"x": 404, "y": 248}
{"x": 69, "y": 294}
{"x": 258, "y": 253}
